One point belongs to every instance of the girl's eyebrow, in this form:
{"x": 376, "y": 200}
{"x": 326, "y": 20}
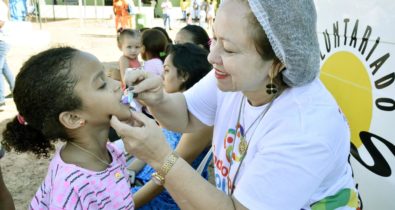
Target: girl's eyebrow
{"x": 99, "y": 74}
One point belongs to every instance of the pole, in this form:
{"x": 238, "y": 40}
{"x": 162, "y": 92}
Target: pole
{"x": 37, "y": 11}
{"x": 81, "y": 13}
{"x": 53, "y": 9}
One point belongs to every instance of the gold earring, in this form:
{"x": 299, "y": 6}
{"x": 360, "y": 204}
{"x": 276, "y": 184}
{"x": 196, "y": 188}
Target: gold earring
{"x": 271, "y": 88}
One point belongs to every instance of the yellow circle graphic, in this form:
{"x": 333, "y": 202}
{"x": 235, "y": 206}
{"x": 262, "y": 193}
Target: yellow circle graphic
{"x": 347, "y": 79}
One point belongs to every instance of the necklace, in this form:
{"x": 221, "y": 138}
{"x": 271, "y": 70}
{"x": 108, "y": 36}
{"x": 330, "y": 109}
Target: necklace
{"x": 89, "y": 153}
{"x": 243, "y": 144}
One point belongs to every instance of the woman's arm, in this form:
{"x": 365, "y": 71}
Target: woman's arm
{"x": 191, "y": 191}
{"x": 189, "y": 148}
{"x": 192, "y": 145}
{"x": 186, "y": 186}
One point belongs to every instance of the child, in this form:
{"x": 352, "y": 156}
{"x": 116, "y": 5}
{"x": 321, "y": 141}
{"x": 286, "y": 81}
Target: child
{"x": 129, "y": 42}
{"x": 153, "y": 52}
{"x": 63, "y": 94}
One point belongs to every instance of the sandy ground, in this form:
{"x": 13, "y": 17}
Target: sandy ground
{"x": 23, "y": 173}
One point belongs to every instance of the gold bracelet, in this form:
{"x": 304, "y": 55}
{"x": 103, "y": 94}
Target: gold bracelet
{"x": 159, "y": 177}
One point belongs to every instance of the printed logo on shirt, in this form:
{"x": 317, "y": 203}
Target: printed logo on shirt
{"x": 228, "y": 163}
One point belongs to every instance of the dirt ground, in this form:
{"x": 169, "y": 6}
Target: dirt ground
{"x": 23, "y": 173}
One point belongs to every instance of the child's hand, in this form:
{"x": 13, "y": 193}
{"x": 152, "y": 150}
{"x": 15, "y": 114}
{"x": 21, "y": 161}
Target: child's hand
{"x": 143, "y": 138}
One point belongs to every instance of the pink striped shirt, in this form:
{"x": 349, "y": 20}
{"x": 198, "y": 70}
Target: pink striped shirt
{"x": 68, "y": 186}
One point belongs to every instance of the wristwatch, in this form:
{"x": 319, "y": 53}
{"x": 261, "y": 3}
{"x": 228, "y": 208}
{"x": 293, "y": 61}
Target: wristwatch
{"x": 159, "y": 176}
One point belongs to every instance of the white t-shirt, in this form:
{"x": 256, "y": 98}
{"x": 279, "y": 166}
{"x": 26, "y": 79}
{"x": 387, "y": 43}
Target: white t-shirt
{"x": 166, "y": 7}
{"x": 298, "y": 153}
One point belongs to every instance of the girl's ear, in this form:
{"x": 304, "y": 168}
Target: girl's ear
{"x": 71, "y": 120}
{"x": 184, "y": 78}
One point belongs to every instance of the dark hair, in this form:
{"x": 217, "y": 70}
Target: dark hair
{"x": 169, "y": 41}
{"x": 155, "y": 43}
{"x": 43, "y": 89}
{"x": 199, "y": 35}
{"x": 191, "y": 62}
{"x": 143, "y": 29}
{"x": 127, "y": 32}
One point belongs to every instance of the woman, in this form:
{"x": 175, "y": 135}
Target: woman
{"x": 272, "y": 148}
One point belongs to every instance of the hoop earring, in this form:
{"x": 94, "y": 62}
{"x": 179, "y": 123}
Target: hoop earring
{"x": 271, "y": 88}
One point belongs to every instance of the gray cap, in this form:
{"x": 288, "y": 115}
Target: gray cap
{"x": 290, "y": 26}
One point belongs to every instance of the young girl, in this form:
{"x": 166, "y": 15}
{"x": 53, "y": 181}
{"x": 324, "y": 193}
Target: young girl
{"x": 153, "y": 52}
{"x": 63, "y": 94}
{"x": 129, "y": 42}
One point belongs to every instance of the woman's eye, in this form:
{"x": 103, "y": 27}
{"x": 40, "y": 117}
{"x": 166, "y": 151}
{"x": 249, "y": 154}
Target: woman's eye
{"x": 103, "y": 85}
{"x": 228, "y": 51}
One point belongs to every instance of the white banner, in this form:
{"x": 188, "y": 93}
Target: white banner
{"x": 357, "y": 42}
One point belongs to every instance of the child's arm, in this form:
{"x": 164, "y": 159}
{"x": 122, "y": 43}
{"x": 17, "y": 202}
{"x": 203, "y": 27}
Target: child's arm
{"x": 189, "y": 148}
{"x": 123, "y": 65}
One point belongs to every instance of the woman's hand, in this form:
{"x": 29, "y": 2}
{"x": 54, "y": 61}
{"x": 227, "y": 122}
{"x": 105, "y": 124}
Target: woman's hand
{"x": 147, "y": 87}
{"x": 143, "y": 138}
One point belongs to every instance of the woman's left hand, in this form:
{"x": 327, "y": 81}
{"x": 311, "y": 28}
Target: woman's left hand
{"x": 143, "y": 139}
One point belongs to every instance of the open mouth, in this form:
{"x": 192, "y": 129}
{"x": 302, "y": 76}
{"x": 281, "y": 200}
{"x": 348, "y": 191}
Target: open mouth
{"x": 127, "y": 99}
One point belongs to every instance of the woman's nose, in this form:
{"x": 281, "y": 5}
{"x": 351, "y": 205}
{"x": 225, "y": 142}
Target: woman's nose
{"x": 213, "y": 57}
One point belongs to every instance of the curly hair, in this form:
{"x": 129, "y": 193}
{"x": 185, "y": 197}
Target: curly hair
{"x": 191, "y": 62}
{"x": 43, "y": 89}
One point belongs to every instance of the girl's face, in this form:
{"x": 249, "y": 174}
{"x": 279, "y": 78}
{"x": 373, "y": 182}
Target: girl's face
{"x": 237, "y": 64}
{"x": 100, "y": 95}
{"x": 171, "y": 80}
{"x": 131, "y": 47}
